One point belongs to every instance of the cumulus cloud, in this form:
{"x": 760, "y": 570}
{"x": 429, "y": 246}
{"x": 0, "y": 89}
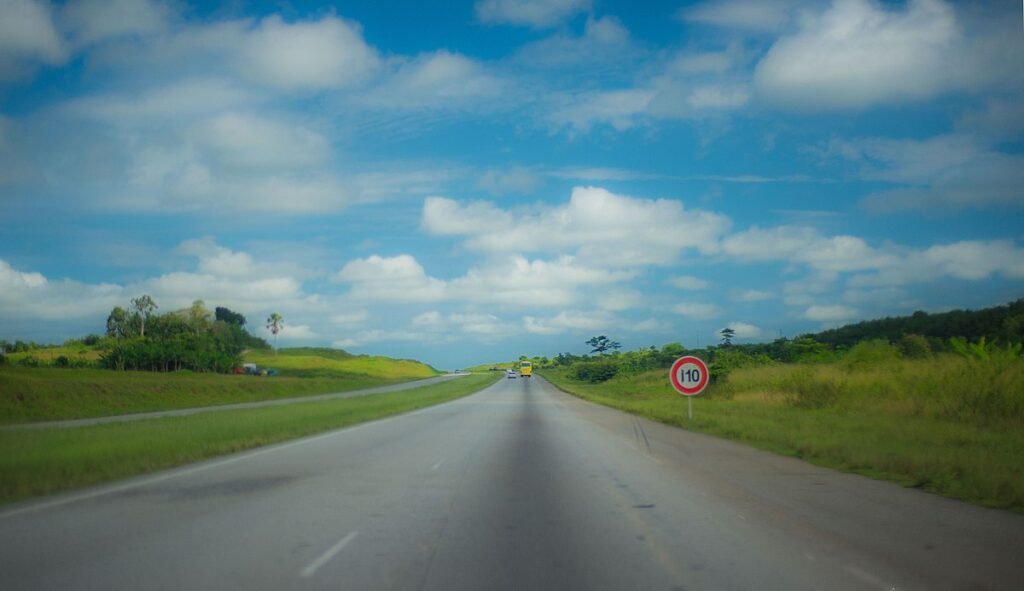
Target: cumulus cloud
{"x": 831, "y": 313}
{"x": 689, "y": 282}
{"x": 805, "y": 245}
{"x": 953, "y": 171}
{"x": 859, "y": 53}
{"x": 622, "y": 109}
{"x": 752, "y": 15}
{"x": 250, "y": 141}
{"x": 969, "y": 260}
{"x": 520, "y": 282}
{"x": 28, "y": 37}
{"x": 753, "y": 295}
{"x": 595, "y": 225}
{"x": 391, "y": 279}
{"x": 91, "y": 21}
{"x": 440, "y": 79}
{"x": 532, "y": 13}
{"x": 743, "y": 330}
{"x": 306, "y": 56}
{"x": 568, "y": 321}
{"x": 697, "y": 310}
{"x": 192, "y": 97}
{"x": 514, "y": 180}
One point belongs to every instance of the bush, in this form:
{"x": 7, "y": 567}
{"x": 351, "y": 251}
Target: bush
{"x": 914, "y": 346}
{"x": 806, "y": 390}
{"x": 600, "y": 370}
{"x": 62, "y": 361}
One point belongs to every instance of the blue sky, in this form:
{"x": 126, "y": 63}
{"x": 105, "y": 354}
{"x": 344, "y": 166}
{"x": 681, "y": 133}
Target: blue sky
{"x": 465, "y": 182}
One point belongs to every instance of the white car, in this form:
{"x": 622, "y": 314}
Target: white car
{"x": 510, "y": 374}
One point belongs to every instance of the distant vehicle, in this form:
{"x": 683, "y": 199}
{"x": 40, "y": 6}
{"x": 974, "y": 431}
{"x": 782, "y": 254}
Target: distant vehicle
{"x": 525, "y": 369}
{"x": 510, "y": 374}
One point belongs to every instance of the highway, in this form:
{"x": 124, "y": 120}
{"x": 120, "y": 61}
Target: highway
{"x": 516, "y": 487}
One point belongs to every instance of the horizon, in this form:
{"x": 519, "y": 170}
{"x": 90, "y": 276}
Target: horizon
{"x": 500, "y": 178}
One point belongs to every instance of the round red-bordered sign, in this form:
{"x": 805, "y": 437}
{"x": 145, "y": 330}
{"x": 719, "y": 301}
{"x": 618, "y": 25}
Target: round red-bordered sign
{"x": 689, "y": 375}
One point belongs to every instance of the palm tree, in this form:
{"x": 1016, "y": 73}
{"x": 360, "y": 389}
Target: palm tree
{"x": 275, "y": 324}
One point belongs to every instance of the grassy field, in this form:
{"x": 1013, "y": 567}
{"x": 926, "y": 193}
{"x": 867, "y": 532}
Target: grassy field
{"x": 46, "y": 393}
{"x": 44, "y": 461}
{"x": 309, "y": 362}
{"x": 950, "y": 425}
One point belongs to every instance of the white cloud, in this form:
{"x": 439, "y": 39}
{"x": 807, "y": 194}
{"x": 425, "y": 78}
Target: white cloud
{"x": 568, "y": 321}
{"x": 622, "y": 109}
{"x": 533, "y": 13}
{"x": 689, "y": 282}
{"x": 754, "y": 15}
{"x": 754, "y": 295}
{"x": 306, "y": 56}
{"x": 513, "y": 180}
{"x": 97, "y": 20}
{"x": 743, "y": 330}
{"x": 604, "y": 45}
{"x": 189, "y": 97}
{"x": 27, "y": 36}
{"x": 697, "y": 310}
{"x": 354, "y": 317}
{"x": 391, "y": 279}
{"x": 366, "y": 337}
{"x": 519, "y": 282}
{"x": 431, "y": 318}
{"x": 248, "y": 141}
{"x": 858, "y": 54}
{"x": 969, "y": 260}
{"x": 440, "y": 79}
{"x": 831, "y": 313}
{"x": 597, "y": 226}
{"x": 951, "y": 172}
{"x": 805, "y": 245}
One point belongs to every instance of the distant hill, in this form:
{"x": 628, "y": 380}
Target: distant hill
{"x": 325, "y": 362}
{"x": 1004, "y": 323}
{"x": 339, "y": 354}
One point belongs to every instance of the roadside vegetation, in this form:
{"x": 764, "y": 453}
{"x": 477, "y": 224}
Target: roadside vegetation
{"x": 941, "y": 414}
{"x": 44, "y": 461}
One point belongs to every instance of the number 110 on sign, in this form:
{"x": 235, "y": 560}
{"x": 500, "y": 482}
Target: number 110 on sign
{"x": 689, "y": 375}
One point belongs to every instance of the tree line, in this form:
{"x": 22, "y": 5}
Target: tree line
{"x": 971, "y": 333}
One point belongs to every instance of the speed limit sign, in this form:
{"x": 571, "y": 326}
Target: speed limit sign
{"x": 689, "y": 375}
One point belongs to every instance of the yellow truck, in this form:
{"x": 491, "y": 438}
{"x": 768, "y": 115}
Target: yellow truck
{"x": 525, "y": 369}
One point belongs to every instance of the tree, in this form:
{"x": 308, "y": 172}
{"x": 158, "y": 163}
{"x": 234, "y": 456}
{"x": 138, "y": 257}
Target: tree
{"x": 727, "y": 335}
{"x": 275, "y": 324}
{"x": 602, "y": 345}
{"x": 198, "y": 316}
{"x": 117, "y": 323}
{"x": 144, "y": 306}
{"x": 228, "y": 316}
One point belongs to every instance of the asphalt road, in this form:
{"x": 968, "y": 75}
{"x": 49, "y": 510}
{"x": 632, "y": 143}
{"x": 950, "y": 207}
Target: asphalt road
{"x": 516, "y": 487}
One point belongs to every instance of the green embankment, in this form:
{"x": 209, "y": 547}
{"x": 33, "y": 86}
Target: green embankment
{"x": 46, "y": 393}
{"x": 43, "y": 461}
{"x": 949, "y": 425}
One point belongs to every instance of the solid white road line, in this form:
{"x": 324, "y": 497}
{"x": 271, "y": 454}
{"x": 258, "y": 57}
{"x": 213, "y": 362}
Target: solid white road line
{"x": 314, "y": 566}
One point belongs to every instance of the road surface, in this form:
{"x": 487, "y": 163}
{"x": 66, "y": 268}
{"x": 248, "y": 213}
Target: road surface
{"x": 516, "y": 487}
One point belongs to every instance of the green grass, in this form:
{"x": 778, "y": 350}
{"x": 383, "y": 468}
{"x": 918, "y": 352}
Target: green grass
{"x": 46, "y": 393}
{"x": 952, "y": 426}
{"x": 45, "y": 461}
{"x": 309, "y": 362}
